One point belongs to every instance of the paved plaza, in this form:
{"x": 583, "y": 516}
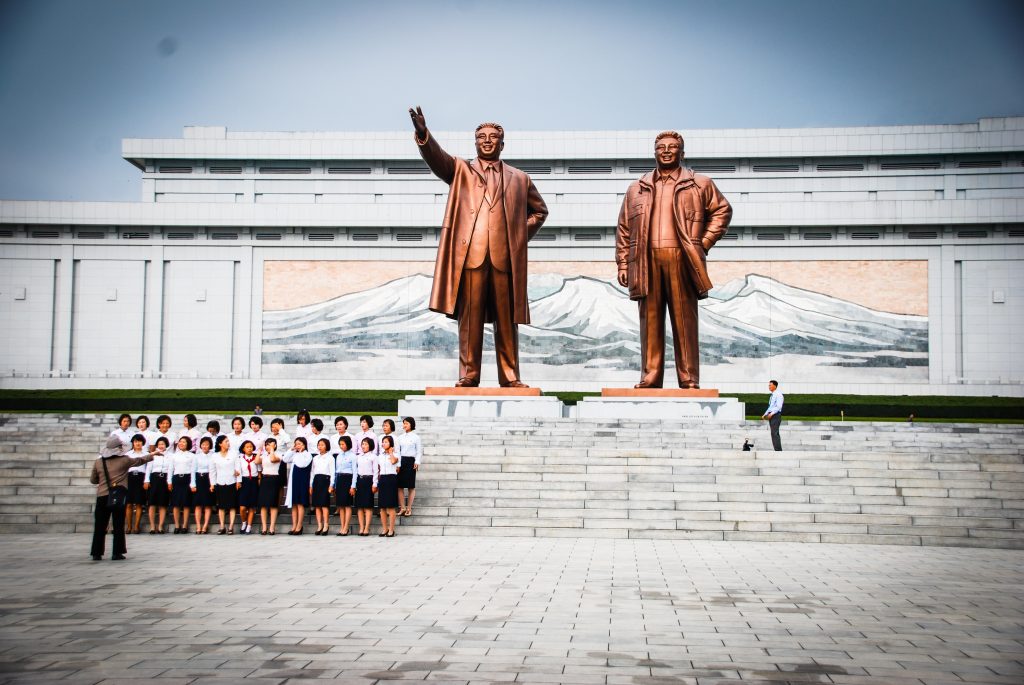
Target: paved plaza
{"x": 188, "y": 609}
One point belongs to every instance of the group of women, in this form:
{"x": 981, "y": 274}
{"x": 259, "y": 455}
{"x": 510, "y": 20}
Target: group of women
{"x": 245, "y": 470}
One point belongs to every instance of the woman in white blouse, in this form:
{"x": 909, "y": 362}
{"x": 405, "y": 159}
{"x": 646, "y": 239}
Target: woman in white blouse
{"x": 158, "y": 486}
{"x": 387, "y": 485}
{"x": 183, "y": 465}
{"x": 270, "y": 486}
{"x": 225, "y": 479}
{"x": 410, "y": 451}
{"x": 136, "y": 485}
{"x": 299, "y": 462}
{"x": 364, "y": 484}
{"x": 345, "y": 468}
{"x": 322, "y": 485}
{"x": 202, "y": 489}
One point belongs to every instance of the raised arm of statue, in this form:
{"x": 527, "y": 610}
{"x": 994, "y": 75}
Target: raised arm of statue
{"x": 439, "y": 161}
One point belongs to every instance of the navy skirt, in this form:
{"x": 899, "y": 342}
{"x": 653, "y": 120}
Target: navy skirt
{"x": 159, "y": 495}
{"x": 136, "y": 493}
{"x": 227, "y": 497}
{"x": 321, "y": 491}
{"x": 249, "y": 494}
{"x": 342, "y": 498}
{"x": 406, "y": 473}
{"x": 202, "y": 497}
{"x": 300, "y": 485}
{"x": 387, "y": 492}
{"x": 181, "y": 491}
{"x": 364, "y": 492}
{"x": 270, "y": 492}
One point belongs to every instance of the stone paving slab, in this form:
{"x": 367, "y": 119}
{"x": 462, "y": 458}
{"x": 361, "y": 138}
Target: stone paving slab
{"x": 189, "y": 609}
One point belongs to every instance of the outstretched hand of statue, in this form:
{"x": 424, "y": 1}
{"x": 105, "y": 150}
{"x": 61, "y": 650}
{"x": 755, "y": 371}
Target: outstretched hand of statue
{"x": 419, "y": 122}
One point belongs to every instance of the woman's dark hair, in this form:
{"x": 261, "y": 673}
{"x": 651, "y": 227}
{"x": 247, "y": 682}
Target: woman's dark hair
{"x": 164, "y": 440}
{"x": 302, "y": 415}
{"x": 206, "y": 439}
{"x": 244, "y": 443}
{"x": 368, "y": 419}
{"x": 191, "y": 421}
{"x": 388, "y": 439}
{"x": 369, "y": 441}
{"x": 221, "y": 439}
{"x": 318, "y": 424}
{"x": 412, "y": 422}
{"x": 215, "y": 425}
{"x": 346, "y": 442}
{"x": 257, "y": 420}
{"x": 239, "y": 419}
{"x": 268, "y": 441}
{"x": 142, "y": 417}
{"x": 188, "y": 442}
{"x": 122, "y": 417}
{"x": 301, "y": 439}
{"x": 163, "y": 417}
{"x": 139, "y": 437}
{"x": 389, "y": 422}
{"x": 277, "y": 421}
{"x": 325, "y": 442}
{"x": 342, "y": 419}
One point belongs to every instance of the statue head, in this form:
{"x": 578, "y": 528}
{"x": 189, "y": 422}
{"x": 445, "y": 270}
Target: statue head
{"x": 668, "y": 150}
{"x": 490, "y": 139}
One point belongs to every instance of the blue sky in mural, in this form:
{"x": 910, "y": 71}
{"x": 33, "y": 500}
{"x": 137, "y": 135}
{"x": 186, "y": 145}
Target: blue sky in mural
{"x": 76, "y": 77}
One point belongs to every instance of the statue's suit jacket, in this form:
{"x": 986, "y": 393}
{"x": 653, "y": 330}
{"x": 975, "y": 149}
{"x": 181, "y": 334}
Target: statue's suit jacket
{"x": 525, "y": 213}
{"x": 702, "y": 215}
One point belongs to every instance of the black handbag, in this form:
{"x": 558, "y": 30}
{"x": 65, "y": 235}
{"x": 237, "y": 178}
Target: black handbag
{"x": 117, "y": 497}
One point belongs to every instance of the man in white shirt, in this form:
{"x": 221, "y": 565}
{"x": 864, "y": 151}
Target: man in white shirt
{"x": 774, "y": 414}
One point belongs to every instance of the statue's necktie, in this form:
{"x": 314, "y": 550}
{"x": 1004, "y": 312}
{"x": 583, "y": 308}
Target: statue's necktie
{"x": 492, "y": 184}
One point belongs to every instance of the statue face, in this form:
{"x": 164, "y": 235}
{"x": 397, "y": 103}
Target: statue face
{"x": 489, "y": 143}
{"x": 668, "y": 152}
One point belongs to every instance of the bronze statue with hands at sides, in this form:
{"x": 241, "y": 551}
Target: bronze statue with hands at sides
{"x": 670, "y": 219}
{"x": 480, "y": 272}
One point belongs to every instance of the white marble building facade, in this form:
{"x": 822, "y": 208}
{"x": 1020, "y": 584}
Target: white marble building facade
{"x": 877, "y": 260}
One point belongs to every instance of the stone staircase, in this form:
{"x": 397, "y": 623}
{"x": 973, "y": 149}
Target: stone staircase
{"x": 878, "y": 483}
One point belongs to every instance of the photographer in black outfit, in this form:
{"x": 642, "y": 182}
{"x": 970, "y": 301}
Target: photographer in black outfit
{"x": 110, "y": 476}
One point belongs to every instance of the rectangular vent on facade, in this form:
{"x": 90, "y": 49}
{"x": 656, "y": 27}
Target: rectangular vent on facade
{"x": 979, "y": 163}
{"x": 92, "y": 235}
{"x": 268, "y": 236}
{"x": 771, "y": 236}
{"x": 776, "y": 168}
{"x": 181, "y": 235}
{"x": 365, "y": 237}
{"x": 590, "y": 168}
{"x": 714, "y": 168}
{"x": 409, "y": 237}
{"x": 223, "y": 235}
{"x": 285, "y": 170}
{"x": 408, "y": 170}
{"x": 641, "y": 168}
{"x": 841, "y": 166}
{"x": 1016, "y": 233}
{"x": 865, "y": 235}
{"x": 225, "y": 169}
{"x": 545, "y": 237}
{"x": 44, "y": 234}
{"x": 975, "y": 233}
{"x": 818, "y": 235}
{"x": 912, "y": 166}
{"x": 587, "y": 236}
{"x": 175, "y": 170}
{"x": 533, "y": 169}
{"x": 135, "y": 235}
{"x": 363, "y": 170}
{"x": 6, "y": 233}
{"x": 320, "y": 237}
{"x": 922, "y": 235}
{"x": 730, "y": 236}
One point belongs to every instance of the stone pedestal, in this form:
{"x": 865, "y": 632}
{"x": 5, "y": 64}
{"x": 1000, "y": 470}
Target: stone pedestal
{"x": 661, "y": 403}
{"x": 482, "y": 402}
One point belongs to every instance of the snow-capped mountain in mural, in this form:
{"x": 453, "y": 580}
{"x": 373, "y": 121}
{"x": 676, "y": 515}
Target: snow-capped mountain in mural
{"x": 584, "y": 320}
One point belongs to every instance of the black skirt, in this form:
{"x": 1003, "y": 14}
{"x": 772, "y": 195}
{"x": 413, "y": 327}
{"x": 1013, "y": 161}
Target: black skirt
{"x": 364, "y": 492}
{"x": 227, "y": 497}
{"x": 249, "y": 494}
{"x": 387, "y": 492}
{"x": 181, "y": 491}
{"x": 136, "y": 494}
{"x": 202, "y": 497}
{"x": 159, "y": 495}
{"x": 406, "y": 473}
{"x": 270, "y": 492}
{"x": 342, "y": 498}
{"x": 300, "y": 485}
{"x": 321, "y": 491}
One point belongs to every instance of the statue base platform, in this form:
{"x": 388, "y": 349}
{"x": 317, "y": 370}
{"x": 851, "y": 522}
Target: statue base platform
{"x": 661, "y": 403}
{"x": 482, "y": 403}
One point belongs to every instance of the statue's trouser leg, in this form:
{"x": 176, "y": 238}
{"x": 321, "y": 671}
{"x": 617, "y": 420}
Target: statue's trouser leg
{"x": 670, "y": 288}
{"x": 487, "y": 289}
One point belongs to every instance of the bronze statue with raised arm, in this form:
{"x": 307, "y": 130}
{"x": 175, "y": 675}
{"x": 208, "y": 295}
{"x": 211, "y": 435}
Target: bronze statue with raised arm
{"x": 670, "y": 219}
{"x": 480, "y": 272}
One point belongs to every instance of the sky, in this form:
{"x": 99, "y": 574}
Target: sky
{"x": 77, "y": 76}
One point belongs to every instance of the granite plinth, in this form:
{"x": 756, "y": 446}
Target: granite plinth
{"x": 659, "y": 392}
{"x": 482, "y": 403}
{"x": 661, "y": 403}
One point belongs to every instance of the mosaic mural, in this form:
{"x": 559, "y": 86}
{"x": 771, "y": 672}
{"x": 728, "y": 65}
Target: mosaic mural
{"x": 828, "y": 321}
